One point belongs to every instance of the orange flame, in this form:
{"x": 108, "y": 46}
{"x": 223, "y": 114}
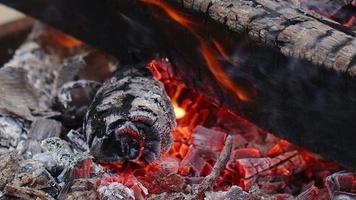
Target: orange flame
{"x": 208, "y": 54}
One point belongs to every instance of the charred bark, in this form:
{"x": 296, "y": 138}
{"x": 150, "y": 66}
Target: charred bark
{"x": 130, "y": 118}
{"x": 283, "y": 26}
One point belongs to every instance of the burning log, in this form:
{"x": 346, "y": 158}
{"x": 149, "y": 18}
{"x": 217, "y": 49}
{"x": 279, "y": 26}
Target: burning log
{"x": 279, "y": 24}
{"x": 288, "y": 93}
{"x": 130, "y": 119}
{"x": 250, "y": 169}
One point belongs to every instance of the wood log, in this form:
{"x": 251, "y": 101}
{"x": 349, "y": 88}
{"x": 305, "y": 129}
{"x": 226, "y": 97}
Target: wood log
{"x": 287, "y": 28}
{"x": 310, "y": 105}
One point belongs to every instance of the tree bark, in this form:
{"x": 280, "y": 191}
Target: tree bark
{"x": 284, "y": 26}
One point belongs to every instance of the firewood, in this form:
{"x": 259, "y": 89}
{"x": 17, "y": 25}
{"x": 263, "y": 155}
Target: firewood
{"x": 130, "y": 118}
{"x": 283, "y": 26}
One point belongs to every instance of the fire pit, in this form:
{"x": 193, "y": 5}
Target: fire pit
{"x": 174, "y": 112}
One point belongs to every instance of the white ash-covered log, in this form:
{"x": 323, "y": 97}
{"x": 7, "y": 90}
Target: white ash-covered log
{"x": 130, "y": 118}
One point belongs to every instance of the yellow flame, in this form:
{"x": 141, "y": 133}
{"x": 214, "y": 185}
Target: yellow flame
{"x": 180, "y": 112}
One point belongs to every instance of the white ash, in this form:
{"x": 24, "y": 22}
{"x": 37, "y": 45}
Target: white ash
{"x": 235, "y": 193}
{"x": 115, "y": 191}
{"x": 77, "y": 140}
{"x": 40, "y": 65}
{"x": 13, "y": 133}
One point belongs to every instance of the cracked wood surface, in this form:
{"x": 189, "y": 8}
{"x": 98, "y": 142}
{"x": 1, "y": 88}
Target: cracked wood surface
{"x": 280, "y": 24}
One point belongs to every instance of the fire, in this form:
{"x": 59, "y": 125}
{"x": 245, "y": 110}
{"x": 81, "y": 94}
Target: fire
{"x": 180, "y": 112}
{"x": 208, "y": 53}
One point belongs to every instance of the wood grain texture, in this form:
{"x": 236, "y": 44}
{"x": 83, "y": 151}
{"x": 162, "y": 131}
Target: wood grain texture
{"x": 282, "y": 25}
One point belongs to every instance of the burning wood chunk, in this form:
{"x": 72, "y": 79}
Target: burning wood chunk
{"x": 341, "y": 185}
{"x": 162, "y": 180}
{"x": 193, "y": 163}
{"x": 13, "y": 132}
{"x": 285, "y": 164}
{"x": 130, "y": 118}
{"x": 311, "y": 193}
{"x": 208, "y": 142}
{"x": 73, "y": 100}
{"x": 245, "y": 153}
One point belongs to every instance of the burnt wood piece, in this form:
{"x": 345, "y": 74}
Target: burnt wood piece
{"x": 324, "y": 7}
{"x": 310, "y": 105}
{"x": 278, "y": 24}
{"x": 282, "y": 25}
{"x": 130, "y": 118}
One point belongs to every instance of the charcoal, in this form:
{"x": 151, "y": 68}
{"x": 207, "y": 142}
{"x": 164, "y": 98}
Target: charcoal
{"x": 9, "y": 165}
{"x": 77, "y": 140}
{"x": 83, "y": 189}
{"x": 57, "y": 155}
{"x": 208, "y": 142}
{"x": 115, "y": 191}
{"x": 33, "y": 174}
{"x": 311, "y": 193}
{"x": 13, "y": 133}
{"x": 341, "y": 185}
{"x": 130, "y": 118}
{"x": 245, "y": 153}
{"x": 193, "y": 163}
{"x": 169, "y": 163}
{"x": 235, "y": 193}
{"x": 26, "y": 193}
{"x": 41, "y": 129}
{"x": 73, "y": 100}
{"x": 291, "y": 161}
{"x": 163, "y": 180}
{"x": 45, "y": 128}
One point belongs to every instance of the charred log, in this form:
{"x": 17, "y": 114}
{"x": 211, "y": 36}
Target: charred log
{"x": 285, "y": 27}
{"x": 300, "y": 77}
{"x": 130, "y": 118}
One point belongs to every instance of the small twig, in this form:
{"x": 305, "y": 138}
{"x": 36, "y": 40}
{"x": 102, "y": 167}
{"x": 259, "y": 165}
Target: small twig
{"x": 209, "y": 181}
